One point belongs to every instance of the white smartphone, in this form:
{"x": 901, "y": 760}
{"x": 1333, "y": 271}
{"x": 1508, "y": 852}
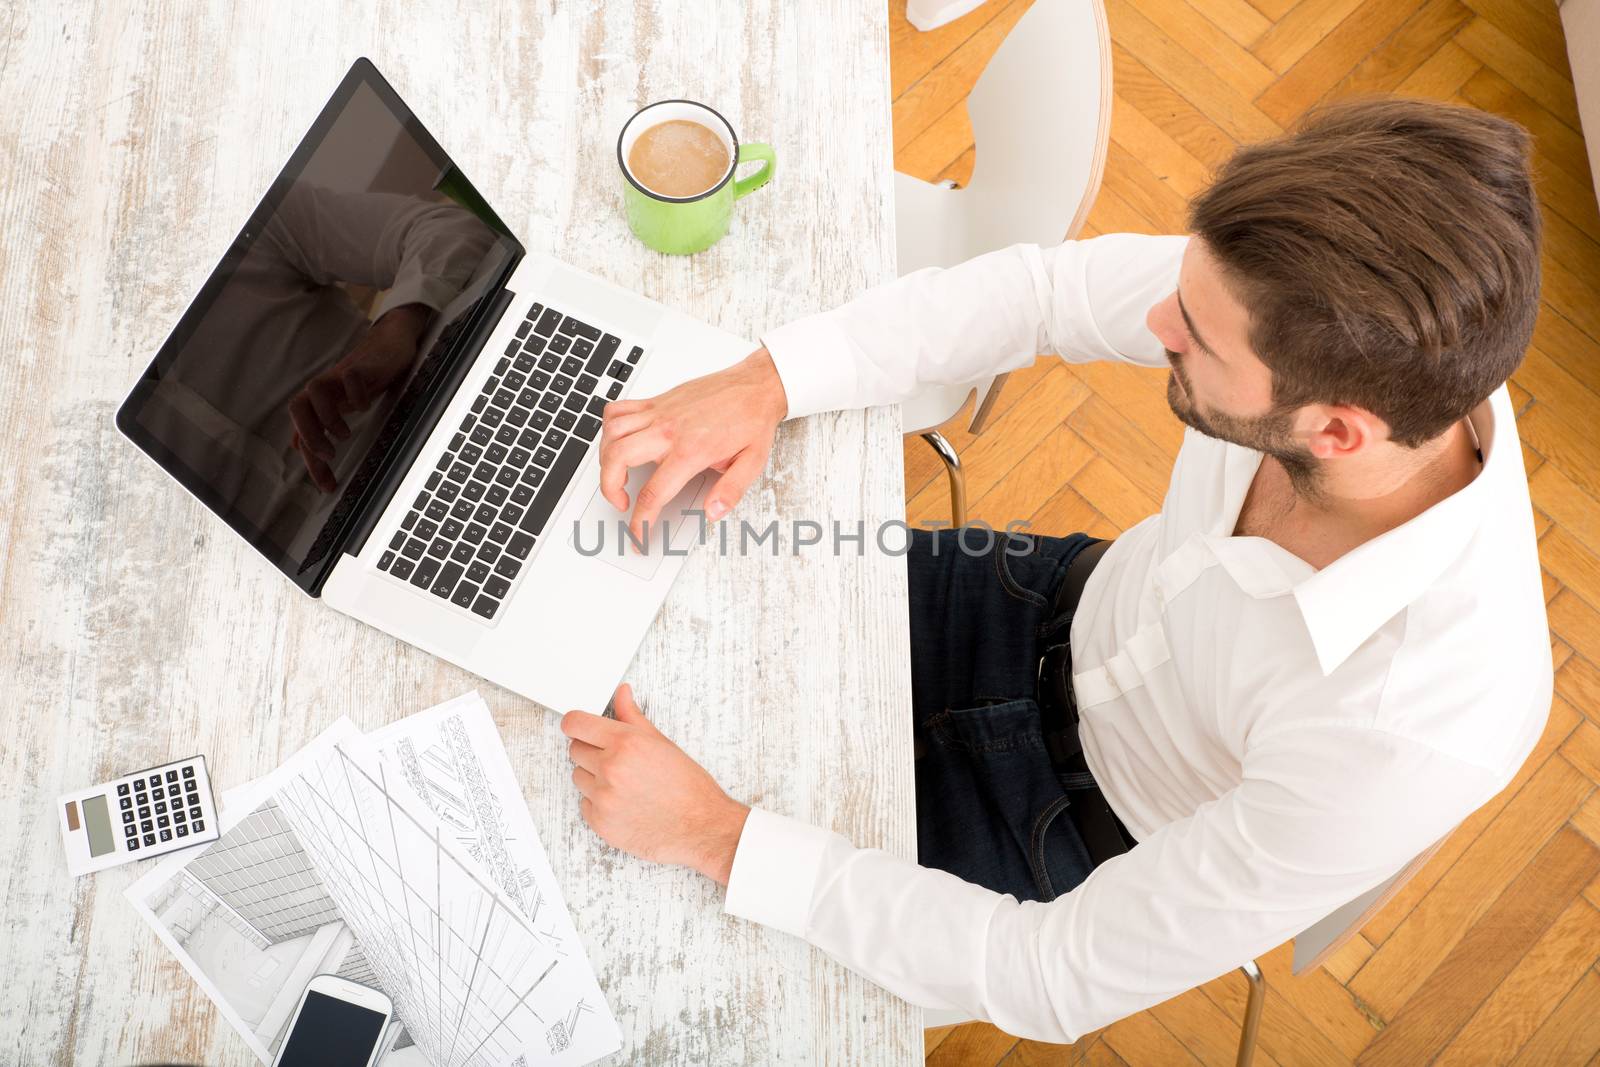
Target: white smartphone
{"x": 338, "y": 1023}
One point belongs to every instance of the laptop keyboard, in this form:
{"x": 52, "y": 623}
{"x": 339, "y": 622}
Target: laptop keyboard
{"x": 471, "y": 530}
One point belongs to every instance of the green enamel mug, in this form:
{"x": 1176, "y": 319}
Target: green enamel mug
{"x": 682, "y": 224}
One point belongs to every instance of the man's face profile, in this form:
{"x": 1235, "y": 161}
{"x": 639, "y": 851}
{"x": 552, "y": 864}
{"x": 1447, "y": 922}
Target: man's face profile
{"x": 1217, "y": 384}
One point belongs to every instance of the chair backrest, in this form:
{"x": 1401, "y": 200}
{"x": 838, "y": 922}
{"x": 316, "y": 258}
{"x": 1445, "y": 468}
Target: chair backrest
{"x": 1326, "y": 936}
{"x": 1032, "y": 148}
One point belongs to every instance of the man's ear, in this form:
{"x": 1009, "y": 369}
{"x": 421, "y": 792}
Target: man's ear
{"x": 1334, "y": 431}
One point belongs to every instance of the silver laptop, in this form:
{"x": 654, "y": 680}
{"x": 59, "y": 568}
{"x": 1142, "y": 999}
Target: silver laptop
{"x": 400, "y": 409}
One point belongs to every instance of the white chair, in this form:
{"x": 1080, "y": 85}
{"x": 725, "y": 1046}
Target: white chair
{"x": 1041, "y": 119}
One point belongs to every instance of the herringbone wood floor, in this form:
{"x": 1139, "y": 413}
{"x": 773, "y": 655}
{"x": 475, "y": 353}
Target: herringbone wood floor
{"x": 1490, "y": 954}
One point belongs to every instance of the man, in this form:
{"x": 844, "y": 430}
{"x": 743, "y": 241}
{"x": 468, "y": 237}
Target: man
{"x": 1326, "y": 651}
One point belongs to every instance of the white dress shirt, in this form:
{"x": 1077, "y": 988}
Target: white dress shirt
{"x": 1279, "y": 739}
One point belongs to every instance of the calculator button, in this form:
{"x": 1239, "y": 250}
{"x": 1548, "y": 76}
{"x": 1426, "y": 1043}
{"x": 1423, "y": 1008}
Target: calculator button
{"x": 198, "y": 825}
{"x": 149, "y": 839}
{"x": 166, "y": 835}
{"x": 147, "y": 826}
{"x": 172, "y": 776}
{"x": 127, "y": 816}
{"x": 163, "y": 821}
{"x": 122, "y": 789}
{"x": 194, "y": 812}
{"x": 125, "y": 803}
{"x": 178, "y": 815}
{"x": 161, "y": 807}
{"x": 182, "y": 830}
{"x": 133, "y": 844}
{"x": 144, "y": 811}
{"x": 189, "y": 786}
{"x": 188, "y": 772}
{"x": 155, "y": 781}
{"x": 139, "y": 785}
{"x": 130, "y": 830}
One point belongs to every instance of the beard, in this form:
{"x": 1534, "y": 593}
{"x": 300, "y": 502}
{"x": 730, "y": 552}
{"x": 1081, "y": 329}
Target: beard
{"x": 1270, "y": 434}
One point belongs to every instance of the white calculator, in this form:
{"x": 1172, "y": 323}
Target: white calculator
{"x": 151, "y": 813}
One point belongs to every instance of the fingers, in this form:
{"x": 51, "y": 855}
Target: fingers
{"x": 744, "y": 470}
{"x": 619, "y": 456}
{"x": 592, "y": 729}
{"x": 664, "y": 484}
{"x": 312, "y": 438}
{"x": 585, "y": 781}
{"x": 327, "y": 399}
{"x": 627, "y": 708}
{"x": 585, "y": 755}
{"x": 321, "y": 474}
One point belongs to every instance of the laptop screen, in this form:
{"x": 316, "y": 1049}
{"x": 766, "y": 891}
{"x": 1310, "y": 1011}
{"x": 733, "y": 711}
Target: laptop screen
{"x": 309, "y": 352}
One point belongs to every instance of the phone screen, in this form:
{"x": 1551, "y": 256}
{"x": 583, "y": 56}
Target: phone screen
{"x": 331, "y": 1033}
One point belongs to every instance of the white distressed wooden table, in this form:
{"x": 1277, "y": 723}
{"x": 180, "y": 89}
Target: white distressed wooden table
{"x": 134, "y": 140}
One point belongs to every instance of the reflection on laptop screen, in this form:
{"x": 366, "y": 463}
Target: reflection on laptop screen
{"x": 313, "y": 343}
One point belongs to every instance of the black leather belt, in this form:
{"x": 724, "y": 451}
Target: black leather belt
{"x": 1102, "y": 832}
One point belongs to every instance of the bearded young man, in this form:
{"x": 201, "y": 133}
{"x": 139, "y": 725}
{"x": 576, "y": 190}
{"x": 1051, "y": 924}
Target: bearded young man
{"x": 1144, "y": 762}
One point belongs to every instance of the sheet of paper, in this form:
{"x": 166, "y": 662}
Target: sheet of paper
{"x": 453, "y": 758}
{"x": 336, "y": 862}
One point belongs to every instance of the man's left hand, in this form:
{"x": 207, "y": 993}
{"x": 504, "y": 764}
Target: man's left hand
{"x": 644, "y": 795}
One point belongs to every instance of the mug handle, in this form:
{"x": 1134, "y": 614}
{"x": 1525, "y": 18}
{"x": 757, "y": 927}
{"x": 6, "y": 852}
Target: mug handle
{"x": 755, "y": 153}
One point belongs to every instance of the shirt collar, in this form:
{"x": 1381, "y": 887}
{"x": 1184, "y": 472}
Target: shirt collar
{"x": 1346, "y": 602}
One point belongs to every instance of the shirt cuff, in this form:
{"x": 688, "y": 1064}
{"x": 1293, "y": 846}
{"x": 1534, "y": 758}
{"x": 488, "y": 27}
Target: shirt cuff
{"x": 774, "y": 871}
{"x": 816, "y": 363}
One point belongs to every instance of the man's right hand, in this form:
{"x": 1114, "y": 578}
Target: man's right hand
{"x": 724, "y": 422}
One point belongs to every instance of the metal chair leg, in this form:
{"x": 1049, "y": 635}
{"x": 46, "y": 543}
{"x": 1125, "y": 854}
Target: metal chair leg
{"x": 1252, "y": 1013}
{"x": 958, "y": 477}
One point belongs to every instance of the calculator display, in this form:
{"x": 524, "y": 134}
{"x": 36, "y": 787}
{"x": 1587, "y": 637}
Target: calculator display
{"x": 97, "y": 820}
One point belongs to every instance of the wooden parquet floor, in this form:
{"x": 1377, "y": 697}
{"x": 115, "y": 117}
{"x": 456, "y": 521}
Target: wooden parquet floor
{"x": 1489, "y": 956}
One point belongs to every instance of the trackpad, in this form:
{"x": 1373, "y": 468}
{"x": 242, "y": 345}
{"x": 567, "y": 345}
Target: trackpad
{"x": 602, "y": 532}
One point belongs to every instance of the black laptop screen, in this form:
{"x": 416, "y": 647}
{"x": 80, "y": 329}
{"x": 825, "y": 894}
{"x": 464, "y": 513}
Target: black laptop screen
{"x": 306, "y": 356}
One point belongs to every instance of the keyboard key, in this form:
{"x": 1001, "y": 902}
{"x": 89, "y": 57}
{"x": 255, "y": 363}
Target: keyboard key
{"x": 572, "y": 366}
{"x": 456, "y": 442}
{"x": 581, "y": 348}
{"x": 497, "y": 586}
{"x": 597, "y": 406}
{"x": 481, "y": 435}
{"x": 444, "y": 461}
{"x": 414, "y": 549}
{"x": 497, "y": 453}
{"x": 550, "y": 363}
{"x": 548, "y": 322}
{"x": 477, "y": 571}
{"x": 149, "y": 839}
{"x": 560, "y": 384}
{"x": 507, "y": 567}
{"x": 439, "y": 549}
{"x": 492, "y": 417}
{"x": 448, "y": 492}
{"x": 437, "y": 509}
{"x": 450, "y": 529}
{"x": 574, "y": 402}
{"x": 462, "y": 553}
{"x": 385, "y": 560}
{"x": 517, "y": 416}
{"x": 410, "y": 520}
{"x": 147, "y": 825}
{"x": 532, "y": 476}
{"x": 426, "y": 529}
{"x": 402, "y": 569}
{"x": 540, "y": 380}
{"x": 533, "y": 346}
{"x": 507, "y": 477}
{"x": 445, "y": 583}
{"x": 462, "y": 510}
{"x": 529, "y": 397}
{"x": 489, "y": 552}
{"x": 615, "y": 391}
{"x": 510, "y": 514}
{"x": 474, "y": 533}
{"x": 499, "y": 532}
{"x": 503, "y": 398}
{"x": 550, "y": 402}
{"x": 464, "y": 595}
{"x": 197, "y": 825}
{"x": 166, "y": 835}
{"x": 182, "y": 830}
{"x": 524, "y": 363}
{"x": 427, "y": 570}
{"x": 566, "y": 420}
{"x": 433, "y": 479}
{"x": 521, "y": 494}
{"x": 485, "y": 514}
{"x": 179, "y": 816}
{"x": 523, "y": 327}
{"x": 528, "y": 439}
{"x": 518, "y": 457}
{"x": 497, "y": 495}
{"x": 559, "y": 345}
{"x": 398, "y": 540}
{"x": 544, "y": 457}
{"x": 473, "y": 491}
{"x": 478, "y": 403}
{"x": 188, "y": 772}
{"x": 620, "y": 371}
{"x": 578, "y": 328}
{"x": 471, "y": 454}
{"x": 602, "y": 354}
{"x": 540, "y": 420}
{"x": 421, "y": 501}
{"x": 485, "y": 607}
{"x": 484, "y": 472}
{"x": 555, "y": 439}
{"x": 520, "y": 546}
{"x": 634, "y": 354}
{"x": 544, "y": 503}
{"x": 513, "y": 380}
{"x": 460, "y": 472}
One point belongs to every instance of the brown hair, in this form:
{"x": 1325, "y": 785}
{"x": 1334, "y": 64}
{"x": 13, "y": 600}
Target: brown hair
{"x": 1387, "y": 251}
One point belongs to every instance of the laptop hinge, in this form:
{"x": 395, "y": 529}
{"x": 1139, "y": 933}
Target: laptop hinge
{"x": 405, "y": 454}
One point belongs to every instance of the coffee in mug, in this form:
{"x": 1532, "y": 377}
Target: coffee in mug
{"x": 679, "y": 157}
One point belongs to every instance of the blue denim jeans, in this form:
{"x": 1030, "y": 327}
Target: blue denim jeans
{"x": 990, "y": 808}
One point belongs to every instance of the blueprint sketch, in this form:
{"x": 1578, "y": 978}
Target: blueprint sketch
{"x": 453, "y": 758}
{"x": 415, "y": 867}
